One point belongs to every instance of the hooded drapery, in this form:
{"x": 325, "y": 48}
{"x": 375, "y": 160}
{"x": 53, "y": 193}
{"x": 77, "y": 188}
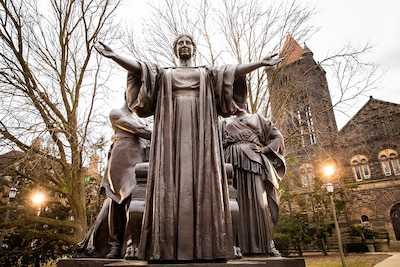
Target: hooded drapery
{"x": 187, "y": 215}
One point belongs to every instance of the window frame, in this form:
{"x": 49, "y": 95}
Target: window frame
{"x": 389, "y": 160}
{"x": 360, "y": 168}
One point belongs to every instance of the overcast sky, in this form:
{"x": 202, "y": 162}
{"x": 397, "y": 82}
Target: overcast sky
{"x": 344, "y": 21}
{"x": 359, "y": 22}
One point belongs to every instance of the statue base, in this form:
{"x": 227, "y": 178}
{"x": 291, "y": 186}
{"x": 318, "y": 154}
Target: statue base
{"x": 251, "y": 262}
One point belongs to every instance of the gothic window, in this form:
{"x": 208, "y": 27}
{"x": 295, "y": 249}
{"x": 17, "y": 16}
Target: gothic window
{"x": 384, "y": 129}
{"x": 393, "y": 126}
{"x": 306, "y": 127}
{"x": 301, "y": 128}
{"x": 375, "y": 130}
{"x": 390, "y": 162}
{"x": 310, "y": 126}
{"x": 360, "y": 167}
{"x": 307, "y": 175}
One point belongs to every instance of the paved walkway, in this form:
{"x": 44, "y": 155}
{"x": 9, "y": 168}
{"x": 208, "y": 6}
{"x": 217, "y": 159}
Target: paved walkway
{"x": 393, "y": 261}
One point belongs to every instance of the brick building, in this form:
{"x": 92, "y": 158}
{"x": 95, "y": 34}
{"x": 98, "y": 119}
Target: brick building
{"x": 371, "y": 140}
{"x": 365, "y": 152}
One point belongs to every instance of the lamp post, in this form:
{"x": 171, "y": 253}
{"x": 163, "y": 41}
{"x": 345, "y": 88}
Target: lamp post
{"x": 330, "y": 188}
{"x": 12, "y": 193}
{"x": 37, "y": 198}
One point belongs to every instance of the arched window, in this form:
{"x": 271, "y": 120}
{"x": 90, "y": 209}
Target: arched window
{"x": 307, "y": 175}
{"x": 395, "y": 218}
{"x": 365, "y": 221}
{"x": 360, "y": 167}
{"x": 390, "y": 162}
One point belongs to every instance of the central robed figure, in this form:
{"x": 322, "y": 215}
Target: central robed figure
{"x": 187, "y": 215}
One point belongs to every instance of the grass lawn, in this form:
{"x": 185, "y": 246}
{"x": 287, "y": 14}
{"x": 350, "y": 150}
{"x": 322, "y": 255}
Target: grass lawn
{"x": 352, "y": 260}
{"x": 365, "y": 263}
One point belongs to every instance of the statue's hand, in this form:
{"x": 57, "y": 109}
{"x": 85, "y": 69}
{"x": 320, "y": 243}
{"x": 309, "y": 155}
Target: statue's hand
{"x": 260, "y": 149}
{"x": 104, "y": 50}
{"x": 255, "y": 148}
{"x": 270, "y": 60}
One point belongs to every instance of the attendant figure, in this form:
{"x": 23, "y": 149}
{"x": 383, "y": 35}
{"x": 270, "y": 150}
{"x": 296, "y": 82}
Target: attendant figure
{"x": 108, "y": 235}
{"x": 255, "y": 147}
{"x": 131, "y": 135}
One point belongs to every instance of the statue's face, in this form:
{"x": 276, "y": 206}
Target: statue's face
{"x": 184, "y": 47}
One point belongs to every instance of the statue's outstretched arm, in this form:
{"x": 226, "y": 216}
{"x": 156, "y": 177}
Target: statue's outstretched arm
{"x": 128, "y": 64}
{"x": 243, "y": 69}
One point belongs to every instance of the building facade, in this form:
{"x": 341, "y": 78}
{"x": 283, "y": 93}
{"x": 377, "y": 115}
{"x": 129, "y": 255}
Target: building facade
{"x": 364, "y": 152}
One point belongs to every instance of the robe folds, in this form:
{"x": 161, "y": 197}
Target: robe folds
{"x": 187, "y": 215}
{"x": 256, "y": 178}
{"x": 128, "y": 148}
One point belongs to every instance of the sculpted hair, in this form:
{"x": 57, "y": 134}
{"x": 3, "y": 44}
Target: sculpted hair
{"x": 179, "y": 37}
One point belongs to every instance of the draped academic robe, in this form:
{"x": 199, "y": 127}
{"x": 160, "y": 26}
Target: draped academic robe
{"x": 187, "y": 215}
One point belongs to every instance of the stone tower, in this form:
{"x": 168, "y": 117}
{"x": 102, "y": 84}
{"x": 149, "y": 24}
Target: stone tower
{"x": 301, "y": 107}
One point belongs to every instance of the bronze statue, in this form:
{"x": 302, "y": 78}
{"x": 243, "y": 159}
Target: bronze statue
{"x": 95, "y": 243}
{"x": 255, "y": 147}
{"x": 110, "y": 232}
{"x": 131, "y": 133}
{"x": 186, "y": 216}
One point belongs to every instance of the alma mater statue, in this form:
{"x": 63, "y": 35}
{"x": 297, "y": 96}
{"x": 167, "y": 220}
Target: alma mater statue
{"x": 186, "y": 216}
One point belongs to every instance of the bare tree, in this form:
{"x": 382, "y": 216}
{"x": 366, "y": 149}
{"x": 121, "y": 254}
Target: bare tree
{"x": 228, "y": 31}
{"x": 50, "y": 82}
{"x": 237, "y": 31}
{"x": 350, "y": 76}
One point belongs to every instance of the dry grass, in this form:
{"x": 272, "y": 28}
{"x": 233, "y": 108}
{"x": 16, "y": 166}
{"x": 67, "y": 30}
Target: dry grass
{"x": 352, "y": 259}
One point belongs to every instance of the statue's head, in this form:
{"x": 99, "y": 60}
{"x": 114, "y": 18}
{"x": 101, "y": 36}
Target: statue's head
{"x": 183, "y": 37}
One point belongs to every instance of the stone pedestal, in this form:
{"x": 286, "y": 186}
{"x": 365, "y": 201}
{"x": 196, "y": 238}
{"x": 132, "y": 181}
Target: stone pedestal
{"x": 86, "y": 262}
{"x": 251, "y": 262}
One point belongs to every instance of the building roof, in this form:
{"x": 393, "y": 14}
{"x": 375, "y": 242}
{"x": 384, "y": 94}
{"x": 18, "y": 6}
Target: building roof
{"x": 8, "y": 159}
{"x": 372, "y": 103}
{"x": 291, "y": 51}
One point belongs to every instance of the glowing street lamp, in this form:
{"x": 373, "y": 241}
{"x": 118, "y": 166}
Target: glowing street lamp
{"x": 329, "y": 170}
{"x": 12, "y": 194}
{"x": 329, "y": 188}
{"x": 38, "y": 198}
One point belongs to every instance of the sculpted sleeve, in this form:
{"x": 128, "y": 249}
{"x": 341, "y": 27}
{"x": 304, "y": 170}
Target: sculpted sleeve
{"x": 230, "y": 91}
{"x": 142, "y": 89}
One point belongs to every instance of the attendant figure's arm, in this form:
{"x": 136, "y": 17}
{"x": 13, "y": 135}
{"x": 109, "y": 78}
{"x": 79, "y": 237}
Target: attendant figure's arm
{"x": 130, "y": 123}
{"x": 274, "y": 142}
